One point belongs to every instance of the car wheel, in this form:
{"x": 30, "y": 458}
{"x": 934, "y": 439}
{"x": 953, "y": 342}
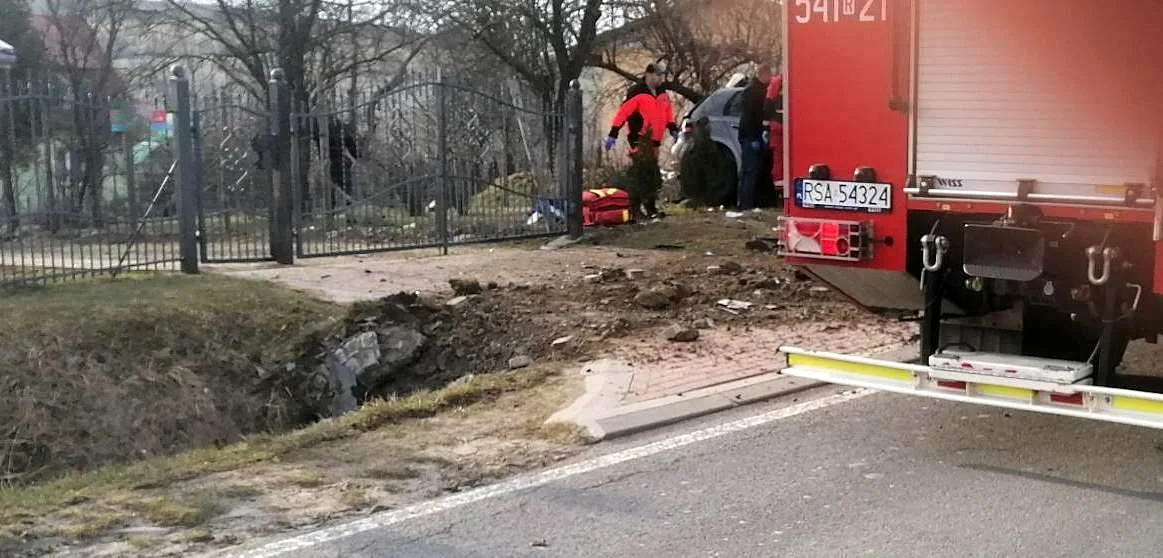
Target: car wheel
{"x": 729, "y": 185}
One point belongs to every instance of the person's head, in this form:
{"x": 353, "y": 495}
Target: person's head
{"x": 763, "y": 73}
{"x": 653, "y": 75}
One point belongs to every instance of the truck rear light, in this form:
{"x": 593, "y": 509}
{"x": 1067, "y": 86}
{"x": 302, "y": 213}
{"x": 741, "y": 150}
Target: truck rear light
{"x": 866, "y": 175}
{"x": 824, "y": 239}
{"x": 1061, "y": 399}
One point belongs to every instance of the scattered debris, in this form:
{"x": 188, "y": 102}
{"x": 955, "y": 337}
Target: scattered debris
{"x": 819, "y": 289}
{"x": 613, "y": 274}
{"x": 457, "y": 301}
{"x": 765, "y": 245}
{"x": 654, "y": 299}
{"x": 768, "y": 283}
{"x": 704, "y": 323}
{"x": 540, "y": 544}
{"x": 633, "y": 274}
{"x": 730, "y": 268}
{"x": 520, "y": 361}
{"x": 682, "y": 334}
{"x": 802, "y": 275}
{"x": 735, "y": 305}
{"x": 465, "y": 286}
{"x": 561, "y": 341}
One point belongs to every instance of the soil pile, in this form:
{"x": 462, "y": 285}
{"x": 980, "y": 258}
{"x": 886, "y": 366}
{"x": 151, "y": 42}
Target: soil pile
{"x": 403, "y": 343}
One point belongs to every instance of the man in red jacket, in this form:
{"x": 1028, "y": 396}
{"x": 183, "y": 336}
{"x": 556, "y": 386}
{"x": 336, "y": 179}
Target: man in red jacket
{"x": 649, "y": 104}
{"x": 774, "y": 112}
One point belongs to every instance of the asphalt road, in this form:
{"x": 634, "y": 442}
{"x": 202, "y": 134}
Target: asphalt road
{"x": 880, "y": 475}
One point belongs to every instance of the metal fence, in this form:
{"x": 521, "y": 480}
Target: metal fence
{"x": 82, "y": 194}
{"x": 90, "y": 189}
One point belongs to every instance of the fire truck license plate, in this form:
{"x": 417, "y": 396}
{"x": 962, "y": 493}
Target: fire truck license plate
{"x": 844, "y": 196}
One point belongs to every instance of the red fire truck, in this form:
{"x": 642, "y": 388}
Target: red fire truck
{"x": 990, "y": 168}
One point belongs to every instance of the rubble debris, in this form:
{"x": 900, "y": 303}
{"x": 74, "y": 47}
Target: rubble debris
{"x": 681, "y": 334}
{"x": 768, "y": 284}
{"x": 465, "y": 286}
{"x": 520, "y": 361}
{"x": 736, "y": 305}
{"x": 762, "y": 244}
{"x": 456, "y": 301}
{"x": 730, "y": 268}
{"x": 655, "y": 299}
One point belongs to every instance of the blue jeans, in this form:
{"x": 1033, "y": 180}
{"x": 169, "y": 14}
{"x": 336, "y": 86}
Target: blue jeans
{"x": 752, "y": 159}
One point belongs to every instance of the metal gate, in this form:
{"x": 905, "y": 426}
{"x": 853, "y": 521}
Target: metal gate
{"x": 233, "y": 175}
{"x": 429, "y": 164}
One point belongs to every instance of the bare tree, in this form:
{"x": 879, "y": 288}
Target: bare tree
{"x": 15, "y": 128}
{"x": 318, "y": 44}
{"x": 545, "y": 42}
{"x": 322, "y": 47}
{"x": 701, "y": 42}
{"x": 81, "y": 38}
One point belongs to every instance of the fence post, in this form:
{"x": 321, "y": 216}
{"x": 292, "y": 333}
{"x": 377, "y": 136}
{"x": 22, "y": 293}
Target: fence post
{"x": 282, "y": 183}
{"x": 575, "y": 169}
{"x": 199, "y": 182}
{"x": 187, "y": 180}
{"x": 442, "y": 147}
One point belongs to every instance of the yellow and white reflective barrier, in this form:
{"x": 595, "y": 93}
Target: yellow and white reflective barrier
{"x": 1079, "y": 400}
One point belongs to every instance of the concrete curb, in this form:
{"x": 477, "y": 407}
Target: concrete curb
{"x": 601, "y": 414}
{"x": 664, "y": 411}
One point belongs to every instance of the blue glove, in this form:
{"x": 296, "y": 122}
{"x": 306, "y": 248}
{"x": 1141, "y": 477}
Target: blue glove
{"x": 757, "y": 145}
{"x": 674, "y": 136}
{"x": 609, "y": 143}
{"x": 766, "y": 138}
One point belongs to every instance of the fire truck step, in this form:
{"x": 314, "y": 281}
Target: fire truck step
{"x": 1011, "y": 366}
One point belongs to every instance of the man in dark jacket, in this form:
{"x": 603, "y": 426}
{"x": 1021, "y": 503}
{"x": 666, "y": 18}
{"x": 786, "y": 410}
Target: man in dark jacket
{"x": 752, "y": 139}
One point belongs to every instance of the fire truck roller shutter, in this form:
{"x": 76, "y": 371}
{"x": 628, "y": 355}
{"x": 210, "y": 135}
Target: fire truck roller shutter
{"x": 1063, "y": 92}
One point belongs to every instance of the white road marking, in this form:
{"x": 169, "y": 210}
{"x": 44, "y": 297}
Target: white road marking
{"x": 525, "y": 482}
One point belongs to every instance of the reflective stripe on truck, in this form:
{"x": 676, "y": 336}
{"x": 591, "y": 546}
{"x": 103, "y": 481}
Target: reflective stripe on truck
{"x": 1079, "y": 400}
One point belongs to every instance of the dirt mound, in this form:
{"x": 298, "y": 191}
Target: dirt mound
{"x": 403, "y": 343}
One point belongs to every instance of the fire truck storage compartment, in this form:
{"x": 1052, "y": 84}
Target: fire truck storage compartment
{"x": 1061, "y": 95}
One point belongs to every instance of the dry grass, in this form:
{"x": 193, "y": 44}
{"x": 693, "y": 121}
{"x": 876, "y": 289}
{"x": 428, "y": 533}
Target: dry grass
{"x": 112, "y": 371}
{"x": 86, "y": 504}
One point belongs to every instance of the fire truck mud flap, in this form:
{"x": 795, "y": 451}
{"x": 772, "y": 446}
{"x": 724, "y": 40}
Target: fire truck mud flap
{"x": 873, "y": 289}
{"x": 1081, "y": 400}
